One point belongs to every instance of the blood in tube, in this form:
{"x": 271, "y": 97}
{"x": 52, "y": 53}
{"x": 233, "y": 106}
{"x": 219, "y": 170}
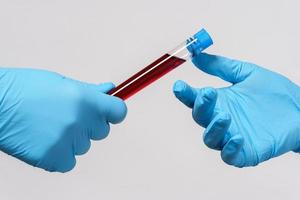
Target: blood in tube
{"x": 169, "y": 61}
{"x": 146, "y": 76}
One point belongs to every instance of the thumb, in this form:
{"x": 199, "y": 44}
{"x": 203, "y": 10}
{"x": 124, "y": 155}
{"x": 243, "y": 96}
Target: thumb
{"x": 113, "y": 109}
{"x": 233, "y": 71}
{"x": 105, "y": 87}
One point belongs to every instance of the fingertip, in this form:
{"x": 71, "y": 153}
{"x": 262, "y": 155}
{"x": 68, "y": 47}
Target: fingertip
{"x": 204, "y": 106}
{"x": 184, "y": 93}
{"x": 215, "y": 135}
{"x": 110, "y": 108}
{"x": 209, "y": 94}
{"x": 225, "y": 118}
{"x": 202, "y": 55}
{"x": 82, "y": 145}
{"x": 201, "y": 59}
{"x": 231, "y": 153}
{"x": 101, "y": 132}
{"x": 106, "y": 87}
{"x": 179, "y": 87}
{"x": 118, "y": 111}
{"x": 67, "y": 166}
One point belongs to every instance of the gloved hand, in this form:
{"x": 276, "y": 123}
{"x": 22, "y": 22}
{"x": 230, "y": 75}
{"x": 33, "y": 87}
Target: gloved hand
{"x": 46, "y": 119}
{"x": 253, "y": 120}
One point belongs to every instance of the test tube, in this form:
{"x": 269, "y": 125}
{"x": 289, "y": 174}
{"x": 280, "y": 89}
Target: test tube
{"x": 169, "y": 61}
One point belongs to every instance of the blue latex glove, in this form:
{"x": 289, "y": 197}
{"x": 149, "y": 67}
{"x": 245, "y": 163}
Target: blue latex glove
{"x": 46, "y": 119}
{"x": 255, "y": 119}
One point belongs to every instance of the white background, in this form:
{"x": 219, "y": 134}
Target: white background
{"x": 157, "y": 153}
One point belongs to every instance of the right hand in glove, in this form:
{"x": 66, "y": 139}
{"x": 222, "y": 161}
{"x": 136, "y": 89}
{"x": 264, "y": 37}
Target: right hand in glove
{"x": 255, "y": 119}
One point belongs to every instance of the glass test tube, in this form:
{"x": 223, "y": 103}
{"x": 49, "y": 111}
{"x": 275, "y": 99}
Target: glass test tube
{"x": 163, "y": 65}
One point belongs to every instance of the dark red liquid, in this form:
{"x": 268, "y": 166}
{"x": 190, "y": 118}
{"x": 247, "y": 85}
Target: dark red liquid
{"x": 146, "y": 76}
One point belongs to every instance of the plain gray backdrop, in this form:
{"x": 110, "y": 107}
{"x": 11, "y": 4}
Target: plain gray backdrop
{"x": 157, "y": 152}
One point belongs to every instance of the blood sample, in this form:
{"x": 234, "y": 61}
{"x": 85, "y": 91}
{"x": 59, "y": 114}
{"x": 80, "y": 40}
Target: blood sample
{"x": 163, "y": 65}
{"x": 146, "y": 76}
